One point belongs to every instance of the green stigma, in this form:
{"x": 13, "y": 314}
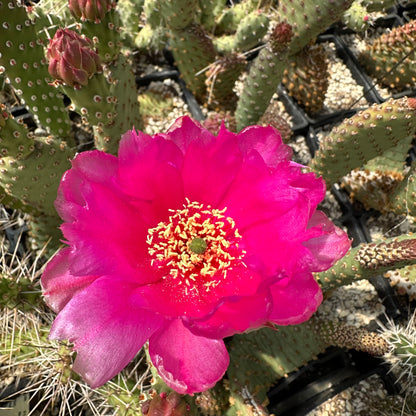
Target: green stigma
{"x": 198, "y": 245}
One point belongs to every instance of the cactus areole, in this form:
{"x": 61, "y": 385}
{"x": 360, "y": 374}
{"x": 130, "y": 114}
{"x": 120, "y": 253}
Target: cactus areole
{"x": 182, "y": 240}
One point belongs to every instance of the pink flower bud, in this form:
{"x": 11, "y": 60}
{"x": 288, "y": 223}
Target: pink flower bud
{"x": 72, "y": 59}
{"x": 92, "y": 10}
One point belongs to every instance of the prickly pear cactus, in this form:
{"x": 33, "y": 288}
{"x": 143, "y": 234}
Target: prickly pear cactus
{"x": 221, "y": 78}
{"x": 264, "y": 76}
{"x": 250, "y": 32}
{"x": 306, "y": 78}
{"x": 193, "y": 51}
{"x": 374, "y": 185}
{"x": 308, "y": 18}
{"x": 368, "y": 260}
{"x": 22, "y": 56}
{"x": 364, "y": 136}
{"x": 391, "y": 57}
{"x": 356, "y": 17}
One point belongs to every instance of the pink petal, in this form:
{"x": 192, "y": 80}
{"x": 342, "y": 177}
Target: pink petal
{"x": 330, "y": 245}
{"x": 276, "y": 245}
{"x": 106, "y": 227}
{"x": 150, "y": 172}
{"x": 184, "y": 131}
{"x": 94, "y": 166}
{"x": 296, "y": 301}
{"x": 172, "y": 299}
{"x": 209, "y": 168}
{"x": 186, "y": 362}
{"x": 234, "y": 317}
{"x": 106, "y": 329}
{"x": 266, "y": 141}
{"x": 270, "y": 195}
{"x": 58, "y": 284}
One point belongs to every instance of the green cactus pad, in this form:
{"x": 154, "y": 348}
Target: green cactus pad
{"x": 369, "y": 260}
{"x": 109, "y": 104}
{"x": 364, "y": 136}
{"x": 306, "y": 78}
{"x": 264, "y": 76}
{"x": 221, "y": 78}
{"x": 34, "y": 179}
{"x": 250, "y": 32}
{"x": 22, "y": 54}
{"x": 391, "y": 57}
{"x": 193, "y": 51}
{"x": 309, "y": 18}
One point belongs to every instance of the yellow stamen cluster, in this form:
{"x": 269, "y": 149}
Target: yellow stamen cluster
{"x": 172, "y": 245}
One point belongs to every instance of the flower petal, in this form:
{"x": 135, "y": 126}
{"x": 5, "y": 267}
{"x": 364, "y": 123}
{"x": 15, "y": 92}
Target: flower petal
{"x": 234, "y": 317}
{"x": 330, "y": 245}
{"x": 209, "y": 168}
{"x": 106, "y": 329}
{"x": 186, "y": 362}
{"x": 150, "y": 171}
{"x": 58, "y": 284}
{"x": 266, "y": 141}
{"x": 184, "y": 131}
{"x": 270, "y": 194}
{"x": 296, "y": 301}
{"x": 104, "y": 225}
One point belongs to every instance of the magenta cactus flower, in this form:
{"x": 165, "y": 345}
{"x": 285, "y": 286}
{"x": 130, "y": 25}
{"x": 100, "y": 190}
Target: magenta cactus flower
{"x": 72, "y": 58}
{"x": 182, "y": 240}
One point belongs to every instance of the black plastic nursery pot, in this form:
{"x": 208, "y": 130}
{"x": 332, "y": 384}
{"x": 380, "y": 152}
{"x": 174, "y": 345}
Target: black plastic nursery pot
{"x": 333, "y": 372}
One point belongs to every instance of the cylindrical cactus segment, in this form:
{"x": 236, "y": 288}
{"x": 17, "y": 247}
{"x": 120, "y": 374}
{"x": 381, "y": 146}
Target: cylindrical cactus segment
{"x": 308, "y": 18}
{"x": 369, "y": 260}
{"x": 390, "y": 58}
{"x": 109, "y": 104}
{"x": 364, "y": 136}
{"x": 193, "y": 51}
{"x": 264, "y": 76}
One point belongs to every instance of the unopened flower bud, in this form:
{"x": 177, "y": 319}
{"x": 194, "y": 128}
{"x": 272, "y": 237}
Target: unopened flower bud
{"x": 72, "y": 59}
{"x": 281, "y": 36}
{"x": 91, "y": 10}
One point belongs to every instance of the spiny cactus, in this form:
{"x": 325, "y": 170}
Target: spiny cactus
{"x": 101, "y": 97}
{"x": 364, "y": 136}
{"x": 401, "y": 340}
{"x": 221, "y": 77}
{"x": 308, "y": 18}
{"x": 368, "y": 260}
{"x": 250, "y": 32}
{"x": 306, "y": 78}
{"x": 403, "y": 280}
{"x": 375, "y": 184}
{"x": 264, "y": 76}
{"x": 390, "y": 58}
{"x": 193, "y": 51}
{"x": 356, "y": 17}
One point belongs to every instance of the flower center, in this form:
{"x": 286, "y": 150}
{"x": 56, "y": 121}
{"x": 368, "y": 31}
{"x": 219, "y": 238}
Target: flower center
{"x": 196, "y": 246}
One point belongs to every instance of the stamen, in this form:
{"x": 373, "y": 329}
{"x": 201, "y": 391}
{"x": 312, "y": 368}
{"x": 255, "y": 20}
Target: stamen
{"x": 196, "y": 246}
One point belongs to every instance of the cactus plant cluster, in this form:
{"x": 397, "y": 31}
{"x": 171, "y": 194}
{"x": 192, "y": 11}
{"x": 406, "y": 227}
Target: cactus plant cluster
{"x": 59, "y": 59}
{"x": 390, "y": 58}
